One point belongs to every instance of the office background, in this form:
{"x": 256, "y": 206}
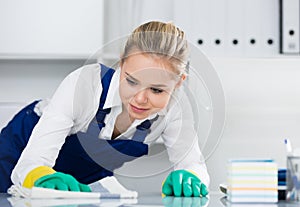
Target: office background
{"x": 42, "y": 41}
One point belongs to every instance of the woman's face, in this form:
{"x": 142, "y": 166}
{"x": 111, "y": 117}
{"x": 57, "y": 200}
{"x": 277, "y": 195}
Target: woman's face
{"x": 146, "y": 85}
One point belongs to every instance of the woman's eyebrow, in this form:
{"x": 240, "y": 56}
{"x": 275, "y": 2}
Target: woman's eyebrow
{"x": 152, "y": 85}
{"x": 130, "y": 76}
{"x": 159, "y": 85}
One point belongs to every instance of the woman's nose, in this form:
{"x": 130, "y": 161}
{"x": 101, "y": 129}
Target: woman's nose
{"x": 141, "y": 96}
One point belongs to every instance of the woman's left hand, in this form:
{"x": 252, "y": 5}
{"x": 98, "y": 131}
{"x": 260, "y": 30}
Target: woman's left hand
{"x": 183, "y": 183}
{"x": 61, "y": 181}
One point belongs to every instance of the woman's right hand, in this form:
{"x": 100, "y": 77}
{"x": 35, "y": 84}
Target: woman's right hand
{"x": 61, "y": 181}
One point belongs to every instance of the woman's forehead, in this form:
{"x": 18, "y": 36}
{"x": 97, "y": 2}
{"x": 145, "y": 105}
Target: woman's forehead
{"x": 141, "y": 60}
{"x": 152, "y": 76}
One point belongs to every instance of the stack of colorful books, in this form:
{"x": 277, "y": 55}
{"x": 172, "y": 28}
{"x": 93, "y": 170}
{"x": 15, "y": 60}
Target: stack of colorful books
{"x": 252, "y": 181}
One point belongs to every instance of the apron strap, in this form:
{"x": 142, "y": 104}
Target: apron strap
{"x": 106, "y": 76}
{"x": 100, "y": 116}
{"x": 143, "y": 130}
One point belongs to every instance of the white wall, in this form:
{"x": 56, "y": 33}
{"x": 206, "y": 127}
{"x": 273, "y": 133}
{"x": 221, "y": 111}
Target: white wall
{"x": 26, "y": 80}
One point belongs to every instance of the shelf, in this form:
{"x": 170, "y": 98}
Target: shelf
{"x": 43, "y": 57}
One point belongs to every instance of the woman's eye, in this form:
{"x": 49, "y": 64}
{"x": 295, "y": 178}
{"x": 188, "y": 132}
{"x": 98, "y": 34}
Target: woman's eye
{"x": 131, "y": 82}
{"x": 156, "y": 90}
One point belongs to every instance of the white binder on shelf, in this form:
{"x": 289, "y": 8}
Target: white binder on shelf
{"x": 289, "y": 26}
{"x": 267, "y": 27}
{"x": 235, "y": 27}
{"x": 217, "y": 27}
{"x": 190, "y": 17}
{"x": 252, "y": 28}
{"x": 270, "y": 26}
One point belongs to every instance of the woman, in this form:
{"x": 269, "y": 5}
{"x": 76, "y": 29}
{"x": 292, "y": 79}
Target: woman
{"x": 100, "y": 118}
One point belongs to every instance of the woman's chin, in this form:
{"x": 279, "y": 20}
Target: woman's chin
{"x": 137, "y": 117}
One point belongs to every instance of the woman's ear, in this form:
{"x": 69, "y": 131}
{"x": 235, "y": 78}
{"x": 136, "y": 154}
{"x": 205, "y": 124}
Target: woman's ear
{"x": 182, "y": 78}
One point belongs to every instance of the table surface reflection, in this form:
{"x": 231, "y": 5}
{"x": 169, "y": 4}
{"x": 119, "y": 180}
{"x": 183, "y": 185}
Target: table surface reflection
{"x": 144, "y": 200}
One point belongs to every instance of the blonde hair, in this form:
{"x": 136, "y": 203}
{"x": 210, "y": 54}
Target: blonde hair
{"x": 159, "y": 39}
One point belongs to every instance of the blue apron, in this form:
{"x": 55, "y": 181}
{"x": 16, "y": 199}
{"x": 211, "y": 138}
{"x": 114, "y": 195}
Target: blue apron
{"x": 83, "y": 155}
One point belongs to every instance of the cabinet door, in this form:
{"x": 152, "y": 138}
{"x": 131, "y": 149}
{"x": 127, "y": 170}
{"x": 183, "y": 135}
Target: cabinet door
{"x": 46, "y": 29}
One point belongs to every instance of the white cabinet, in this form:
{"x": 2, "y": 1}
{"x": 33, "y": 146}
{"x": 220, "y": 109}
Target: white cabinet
{"x": 50, "y": 28}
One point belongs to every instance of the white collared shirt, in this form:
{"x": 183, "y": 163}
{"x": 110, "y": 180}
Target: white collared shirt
{"x": 74, "y": 105}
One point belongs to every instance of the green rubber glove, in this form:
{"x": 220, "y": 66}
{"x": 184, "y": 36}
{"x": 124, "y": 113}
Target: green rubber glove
{"x": 170, "y": 201}
{"x": 61, "y": 181}
{"x": 183, "y": 183}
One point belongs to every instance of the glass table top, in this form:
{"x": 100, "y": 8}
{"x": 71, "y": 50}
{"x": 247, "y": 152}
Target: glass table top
{"x": 145, "y": 200}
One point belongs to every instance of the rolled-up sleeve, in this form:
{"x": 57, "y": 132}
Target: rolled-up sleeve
{"x": 50, "y": 132}
{"x": 181, "y": 140}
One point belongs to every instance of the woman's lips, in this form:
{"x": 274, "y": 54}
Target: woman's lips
{"x": 136, "y": 109}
